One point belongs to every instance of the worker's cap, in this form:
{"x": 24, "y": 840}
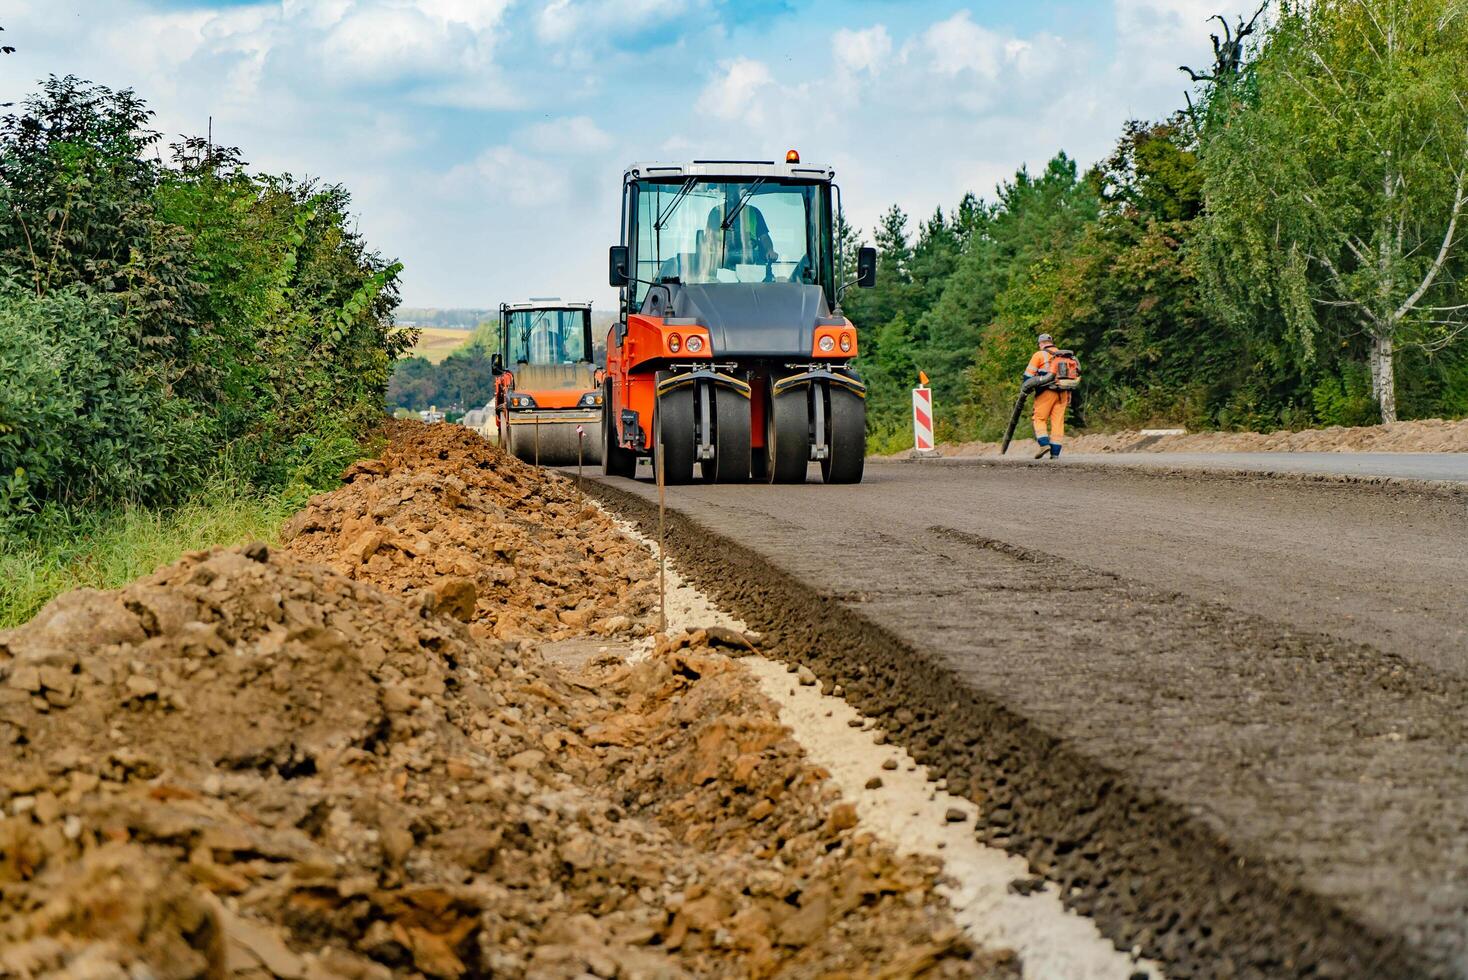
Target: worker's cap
{"x": 1045, "y": 338}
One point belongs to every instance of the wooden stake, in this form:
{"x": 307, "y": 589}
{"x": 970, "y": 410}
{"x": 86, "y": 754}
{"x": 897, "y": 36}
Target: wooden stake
{"x": 662, "y": 543}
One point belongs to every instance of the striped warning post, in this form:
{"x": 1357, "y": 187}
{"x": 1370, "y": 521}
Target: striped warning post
{"x": 922, "y": 420}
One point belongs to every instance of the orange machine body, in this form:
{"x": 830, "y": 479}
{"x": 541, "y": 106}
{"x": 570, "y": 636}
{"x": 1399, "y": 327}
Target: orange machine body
{"x": 548, "y": 398}
{"x": 633, "y": 366}
{"x": 731, "y": 356}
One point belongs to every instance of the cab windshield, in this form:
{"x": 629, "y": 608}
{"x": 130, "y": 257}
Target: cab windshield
{"x": 754, "y": 230}
{"x": 546, "y": 336}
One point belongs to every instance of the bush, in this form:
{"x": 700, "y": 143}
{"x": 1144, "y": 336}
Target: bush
{"x": 162, "y": 324}
{"x": 81, "y": 422}
{"x": 1345, "y": 398}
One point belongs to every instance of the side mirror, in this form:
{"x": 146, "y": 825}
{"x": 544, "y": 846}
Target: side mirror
{"x": 617, "y": 265}
{"x": 866, "y": 267}
{"x": 496, "y": 364}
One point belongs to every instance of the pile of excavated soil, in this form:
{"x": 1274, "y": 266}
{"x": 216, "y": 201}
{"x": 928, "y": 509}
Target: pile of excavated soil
{"x": 1425, "y": 436}
{"x": 249, "y": 764}
{"x": 500, "y": 542}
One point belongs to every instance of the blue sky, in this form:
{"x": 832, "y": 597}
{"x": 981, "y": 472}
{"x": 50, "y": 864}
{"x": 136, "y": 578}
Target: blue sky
{"x": 484, "y": 140}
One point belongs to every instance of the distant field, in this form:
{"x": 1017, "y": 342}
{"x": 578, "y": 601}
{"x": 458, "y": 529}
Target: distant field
{"x": 435, "y": 343}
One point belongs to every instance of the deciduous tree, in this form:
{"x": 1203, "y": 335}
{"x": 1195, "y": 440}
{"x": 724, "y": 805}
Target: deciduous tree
{"x": 1337, "y": 179}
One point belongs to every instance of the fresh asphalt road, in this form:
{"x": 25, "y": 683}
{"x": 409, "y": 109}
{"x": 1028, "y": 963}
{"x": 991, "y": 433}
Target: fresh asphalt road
{"x": 1283, "y": 660}
{"x": 1386, "y": 569}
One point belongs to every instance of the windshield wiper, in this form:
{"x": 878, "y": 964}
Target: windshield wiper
{"x": 743, "y": 200}
{"x": 657, "y": 226}
{"x": 529, "y": 329}
{"x": 673, "y": 204}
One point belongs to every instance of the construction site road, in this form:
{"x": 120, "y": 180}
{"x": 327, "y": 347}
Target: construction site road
{"x": 1225, "y": 714}
{"x": 1430, "y": 467}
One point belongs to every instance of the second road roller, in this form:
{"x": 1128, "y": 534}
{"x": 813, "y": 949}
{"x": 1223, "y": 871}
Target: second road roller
{"x": 547, "y": 397}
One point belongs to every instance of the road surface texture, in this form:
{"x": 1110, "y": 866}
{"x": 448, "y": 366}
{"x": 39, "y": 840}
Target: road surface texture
{"x": 1450, "y": 467}
{"x": 1227, "y": 716}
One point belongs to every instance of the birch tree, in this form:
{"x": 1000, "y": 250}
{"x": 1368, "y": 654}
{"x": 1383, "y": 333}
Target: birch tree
{"x": 1338, "y": 178}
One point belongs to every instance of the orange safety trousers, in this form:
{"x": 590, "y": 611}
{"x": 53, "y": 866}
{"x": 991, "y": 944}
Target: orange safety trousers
{"x": 1049, "y": 414}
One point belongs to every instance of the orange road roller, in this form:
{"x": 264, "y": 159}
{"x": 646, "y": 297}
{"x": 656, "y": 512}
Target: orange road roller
{"x": 731, "y": 356}
{"x": 546, "y": 384}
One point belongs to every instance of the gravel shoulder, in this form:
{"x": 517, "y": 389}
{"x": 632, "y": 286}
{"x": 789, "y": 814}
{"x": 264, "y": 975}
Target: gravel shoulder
{"x": 1249, "y": 789}
{"x": 1417, "y": 436}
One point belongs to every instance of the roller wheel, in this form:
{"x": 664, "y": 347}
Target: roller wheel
{"x": 787, "y": 437}
{"x": 518, "y": 443}
{"x": 615, "y": 461}
{"x": 732, "y": 452}
{"x": 674, "y": 437}
{"x": 846, "y": 436}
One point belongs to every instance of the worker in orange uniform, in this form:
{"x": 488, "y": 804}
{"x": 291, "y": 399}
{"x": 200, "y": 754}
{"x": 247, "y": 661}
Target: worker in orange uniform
{"x": 1050, "y": 402}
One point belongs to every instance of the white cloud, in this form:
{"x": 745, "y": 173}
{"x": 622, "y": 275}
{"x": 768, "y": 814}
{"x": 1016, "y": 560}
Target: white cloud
{"x": 738, "y": 92}
{"x": 478, "y": 15}
{"x": 975, "y": 65}
{"x": 959, "y": 45}
{"x": 574, "y": 134}
{"x": 863, "y": 50}
{"x": 447, "y": 46}
{"x": 1154, "y": 37}
{"x": 1165, "y": 24}
{"x": 585, "y": 21}
{"x": 505, "y": 177}
{"x": 445, "y": 49}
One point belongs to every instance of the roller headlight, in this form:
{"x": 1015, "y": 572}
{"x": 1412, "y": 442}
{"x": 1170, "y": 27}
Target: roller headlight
{"x": 695, "y": 344}
{"x": 590, "y": 400}
{"x": 845, "y": 342}
{"x": 827, "y": 344}
{"x": 675, "y": 343}
{"x": 522, "y": 401}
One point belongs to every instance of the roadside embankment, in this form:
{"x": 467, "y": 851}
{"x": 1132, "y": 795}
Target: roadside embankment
{"x": 347, "y": 757}
{"x": 1423, "y": 436}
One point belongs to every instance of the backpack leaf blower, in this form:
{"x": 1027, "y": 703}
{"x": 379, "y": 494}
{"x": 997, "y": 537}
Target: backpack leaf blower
{"x": 1031, "y": 384}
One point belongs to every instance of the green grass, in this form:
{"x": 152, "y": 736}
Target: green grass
{"x": 107, "y": 550}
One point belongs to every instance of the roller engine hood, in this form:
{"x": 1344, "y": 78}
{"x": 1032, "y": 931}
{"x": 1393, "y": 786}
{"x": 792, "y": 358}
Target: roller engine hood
{"x": 755, "y": 318}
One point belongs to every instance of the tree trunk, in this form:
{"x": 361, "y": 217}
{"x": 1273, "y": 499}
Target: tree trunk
{"x": 1382, "y": 378}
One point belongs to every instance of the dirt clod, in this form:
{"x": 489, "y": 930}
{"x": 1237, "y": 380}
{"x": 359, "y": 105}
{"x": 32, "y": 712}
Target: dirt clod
{"x": 345, "y": 757}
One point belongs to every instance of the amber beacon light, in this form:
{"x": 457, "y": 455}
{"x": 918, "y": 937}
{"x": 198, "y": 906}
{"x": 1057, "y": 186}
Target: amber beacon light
{"x": 792, "y": 156}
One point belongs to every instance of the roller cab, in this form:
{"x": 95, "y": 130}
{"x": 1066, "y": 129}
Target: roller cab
{"x": 546, "y": 384}
{"x": 731, "y": 360}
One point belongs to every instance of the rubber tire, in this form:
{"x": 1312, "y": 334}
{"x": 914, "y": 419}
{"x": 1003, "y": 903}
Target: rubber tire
{"x": 615, "y": 461}
{"x": 673, "y": 437}
{"x": 787, "y": 437}
{"x": 732, "y": 449}
{"x": 846, "y": 440}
